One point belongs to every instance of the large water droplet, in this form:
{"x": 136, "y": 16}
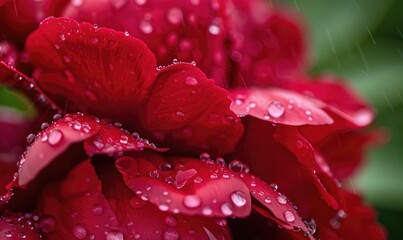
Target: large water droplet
{"x": 238, "y": 198}
{"x": 79, "y": 231}
{"x": 207, "y": 211}
{"x": 289, "y": 216}
{"x": 282, "y": 199}
{"x": 114, "y": 235}
{"x": 236, "y": 166}
{"x": 310, "y": 225}
{"x": 226, "y": 209}
{"x": 276, "y": 109}
{"x": 55, "y": 137}
{"x": 191, "y": 201}
{"x": 174, "y": 15}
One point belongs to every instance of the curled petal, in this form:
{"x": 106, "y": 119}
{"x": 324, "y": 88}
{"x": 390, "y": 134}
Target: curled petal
{"x": 91, "y": 66}
{"x": 279, "y": 106}
{"x": 188, "y": 110}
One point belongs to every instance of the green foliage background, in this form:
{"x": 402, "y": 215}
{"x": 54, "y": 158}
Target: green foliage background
{"x": 362, "y": 41}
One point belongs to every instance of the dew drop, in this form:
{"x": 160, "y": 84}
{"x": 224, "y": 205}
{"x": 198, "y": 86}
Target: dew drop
{"x": 174, "y": 16}
{"x": 289, "y": 216}
{"x": 238, "y": 198}
{"x": 207, "y": 211}
{"x": 79, "y": 231}
{"x": 171, "y": 234}
{"x": 267, "y": 200}
{"x": 97, "y": 209}
{"x": 275, "y": 109}
{"x": 30, "y": 138}
{"x": 55, "y": 137}
{"x": 310, "y": 225}
{"x": 47, "y": 224}
{"x": 180, "y": 116}
{"x": 236, "y": 166}
{"x": 191, "y": 81}
{"x": 274, "y": 186}
{"x": 191, "y": 201}
{"x": 114, "y": 235}
{"x": 226, "y": 209}
{"x": 204, "y": 156}
{"x": 214, "y": 29}
{"x": 282, "y": 199}
{"x": 62, "y": 36}
{"x": 171, "y": 221}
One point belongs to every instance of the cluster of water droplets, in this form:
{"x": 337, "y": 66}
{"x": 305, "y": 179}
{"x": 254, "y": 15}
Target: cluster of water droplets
{"x": 176, "y": 61}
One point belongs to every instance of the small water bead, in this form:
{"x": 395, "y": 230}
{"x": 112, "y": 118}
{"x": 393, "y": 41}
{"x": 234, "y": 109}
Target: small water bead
{"x": 146, "y": 27}
{"x": 30, "y": 138}
{"x": 238, "y": 198}
{"x": 62, "y": 36}
{"x": 163, "y": 207}
{"x": 180, "y": 116}
{"x": 236, "y": 166}
{"x": 198, "y": 180}
{"x": 171, "y": 234}
{"x": 114, "y": 235}
{"x": 8, "y": 234}
{"x": 267, "y": 200}
{"x": 174, "y": 16}
{"x": 274, "y": 186}
{"x": 239, "y": 100}
{"x": 126, "y": 33}
{"x": 226, "y": 209}
{"x": 204, "y": 157}
{"x": 191, "y": 201}
{"x": 79, "y": 231}
{"x": 221, "y": 161}
{"x": 55, "y": 137}
{"x": 97, "y": 209}
{"x": 207, "y": 211}
{"x": 136, "y": 135}
{"x": 44, "y": 137}
{"x": 276, "y": 109}
{"x": 124, "y": 139}
{"x": 282, "y": 199}
{"x": 214, "y": 29}
{"x": 166, "y": 166}
{"x": 171, "y": 221}
{"x": 289, "y": 216}
{"x": 191, "y": 81}
{"x": 154, "y": 174}
{"x": 341, "y": 214}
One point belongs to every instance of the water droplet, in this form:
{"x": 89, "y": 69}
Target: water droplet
{"x": 198, "y": 180}
{"x": 171, "y": 221}
{"x": 236, "y": 166}
{"x": 214, "y": 29}
{"x": 62, "y": 36}
{"x": 221, "y": 161}
{"x": 226, "y": 209}
{"x": 274, "y": 186}
{"x": 267, "y": 200}
{"x": 94, "y": 40}
{"x": 310, "y": 225}
{"x": 207, "y": 211}
{"x": 166, "y": 166}
{"x": 239, "y": 100}
{"x": 47, "y": 224}
{"x": 8, "y": 234}
{"x": 79, "y": 231}
{"x": 191, "y": 81}
{"x": 77, "y": 3}
{"x": 146, "y": 27}
{"x": 180, "y": 116}
{"x": 204, "y": 156}
{"x": 57, "y": 117}
{"x": 22, "y": 235}
{"x": 238, "y": 198}
{"x": 30, "y": 138}
{"x": 55, "y": 137}
{"x": 97, "y": 209}
{"x": 126, "y": 33}
{"x": 308, "y": 112}
{"x": 341, "y": 214}
{"x": 171, "y": 234}
{"x": 282, "y": 199}
{"x": 114, "y": 235}
{"x": 275, "y": 109}
{"x": 140, "y": 2}
{"x": 191, "y": 201}
{"x": 174, "y": 15}
{"x": 289, "y": 216}
{"x": 163, "y": 207}
{"x": 124, "y": 139}
{"x": 154, "y": 174}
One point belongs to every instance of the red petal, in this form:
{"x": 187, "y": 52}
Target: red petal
{"x": 188, "y": 111}
{"x": 269, "y": 46}
{"x": 76, "y": 208}
{"x": 188, "y": 31}
{"x": 18, "y": 226}
{"x": 14, "y": 78}
{"x": 8, "y": 53}
{"x": 187, "y": 186}
{"x": 140, "y": 219}
{"x": 279, "y": 106}
{"x": 110, "y": 140}
{"x": 91, "y": 66}
{"x": 339, "y": 98}
{"x": 52, "y": 142}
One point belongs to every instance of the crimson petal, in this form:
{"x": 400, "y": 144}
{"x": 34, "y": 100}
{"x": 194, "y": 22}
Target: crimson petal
{"x": 186, "y": 186}
{"x": 76, "y": 208}
{"x": 91, "y": 66}
{"x": 188, "y": 110}
{"x": 279, "y": 106}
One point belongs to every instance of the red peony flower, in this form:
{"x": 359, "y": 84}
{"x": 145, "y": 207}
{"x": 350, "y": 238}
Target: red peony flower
{"x": 88, "y": 177}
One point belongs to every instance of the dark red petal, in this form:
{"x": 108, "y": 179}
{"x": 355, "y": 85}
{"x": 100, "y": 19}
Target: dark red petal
{"x": 18, "y": 226}
{"x": 75, "y": 208}
{"x": 140, "y": 219}
{"x": 91, "y": 66}
{"x": 15, "y": 79}
{"x": 186, "y": 186}
{"x": 340, "y": 99}
{"x": 184, "y": 30}
{"x": 279, "y": 106}
{"x": 190, "y": 112}
{"x": 309, "y": 157}
{"x": 110, "y": 140}
{"x": 268, "y": 46}
{"x": 19, "y": 18}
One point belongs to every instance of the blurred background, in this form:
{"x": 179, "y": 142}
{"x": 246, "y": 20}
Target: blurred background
{"x": 362, "y": 41}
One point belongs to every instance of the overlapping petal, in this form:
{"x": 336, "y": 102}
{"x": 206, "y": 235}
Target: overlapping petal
{"x": 186, "y": 109}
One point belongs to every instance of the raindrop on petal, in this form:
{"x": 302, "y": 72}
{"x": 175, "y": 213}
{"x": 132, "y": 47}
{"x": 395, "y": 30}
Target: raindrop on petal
{"x": 275, "y": 109}
{"x": 289, "y": 216}
{"x": 55, "y": 137}
{"x": 238, "y": 198}
{"x": 191, "y": 201}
